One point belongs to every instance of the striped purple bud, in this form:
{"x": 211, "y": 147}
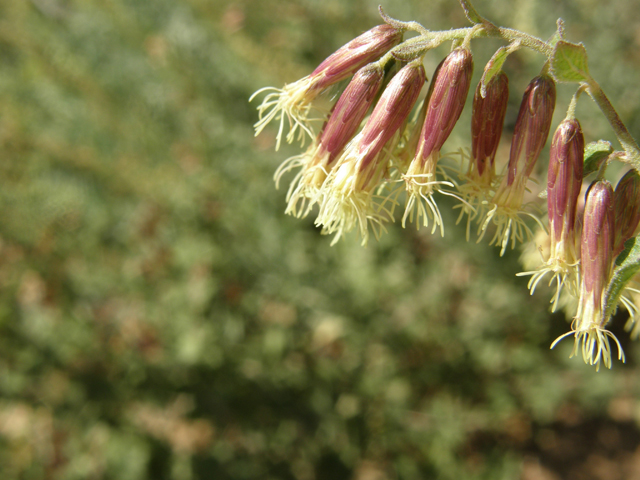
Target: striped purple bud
{"x": 347, "y": 194}
{"x": 487, "y": 120}
{"x": 591, "y": 337}
{"x": 339, "y": 129}
{"x": 292, "y": 104}
{"x": 349, "y": 58}
{"x": 530, "y": 135}
{"x": 390, "y": 112}
{"x": 348, "y": 113}
{"x": 445, "y": 101}
{"x": 596, "y": 254}
{"x": 531, "y": 132}
{"x": 532, "y": 126}
{"x": 564, "y": 182}
{"x": 627, "y": 209}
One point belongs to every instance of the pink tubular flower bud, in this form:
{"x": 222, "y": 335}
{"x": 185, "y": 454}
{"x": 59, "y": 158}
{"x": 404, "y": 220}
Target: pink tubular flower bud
{"x": 530, "y": 135}
{"x": 364, "y": 49}
{"x": 487, "y": 120}
{"x": 293, "y": 102}
{"x": 445, "y": 101}
{"x": 564, "y": 183}
{"x": 347, "y": 194}
{"x": 627, "y": 209}
{"x": 596, "y": 251}
{"x": 343, "y": 122}
{"x": 389, "y": 114}
{"x": 596, "y": 267}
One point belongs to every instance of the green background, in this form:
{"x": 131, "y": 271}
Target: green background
{"x": 161, "y": 318}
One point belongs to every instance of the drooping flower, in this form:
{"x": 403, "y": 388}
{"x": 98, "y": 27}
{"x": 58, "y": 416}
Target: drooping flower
{"x": 293, "y": 102}
{"x": 487, "y": 120}
{"x": 530, "y": 135}
{"x": 564, "y": 182}
{"x": 627, "y": 208}
{"x": 347, "y": 196}
{"x": 444, "y": 104}
{"x": 596, "y": 268}
{"x": 339, "y": 129}
{"x": 627, "y": 214}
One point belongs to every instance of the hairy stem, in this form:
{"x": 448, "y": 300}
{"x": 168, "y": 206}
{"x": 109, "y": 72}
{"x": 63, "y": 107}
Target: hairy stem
{"x": 627, "y": 141}
{"x": 483, "y": 28}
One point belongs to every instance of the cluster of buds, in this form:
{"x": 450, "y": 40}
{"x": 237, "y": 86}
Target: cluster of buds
{"x": 585, "y": 247}
{"x": 564, "y": 183}
{"x": 371, "y": 151}
{"x": 505, "y": 208}
{"x": 353, "y": 166}
{"x": 293, "y": 103}
{"x": 602, "y": 237}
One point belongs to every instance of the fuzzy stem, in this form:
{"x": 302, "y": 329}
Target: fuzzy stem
{"x": 631, "y": 148}
{"x": 483, "y": 28}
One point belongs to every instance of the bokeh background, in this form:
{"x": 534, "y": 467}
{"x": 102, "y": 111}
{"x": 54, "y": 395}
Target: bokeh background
{"x": 161, "y": 318}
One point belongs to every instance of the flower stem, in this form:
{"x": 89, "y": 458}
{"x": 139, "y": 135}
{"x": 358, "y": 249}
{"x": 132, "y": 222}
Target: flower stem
{"x": 630, "y": 146}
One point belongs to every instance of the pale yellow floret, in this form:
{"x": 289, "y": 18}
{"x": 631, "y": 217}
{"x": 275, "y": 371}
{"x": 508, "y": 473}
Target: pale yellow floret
{"x": 593, "y": 341}
{"x": 562, "y": 273}
{"x": 341, "y": 212}
{"x": 348, "y": 198}
{"x": 421, "y": 184}
{"x": 420, "y": 202}
{"x": 304, "y": 189}
{"x": 510, "y": 226}
{"x": 475, "y": 190}
{"x": 632, "y": 325}
{"x": 291, "y": 103}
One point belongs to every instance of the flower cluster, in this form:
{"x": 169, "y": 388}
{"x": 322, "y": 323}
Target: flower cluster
{"x": 379, "y": 149}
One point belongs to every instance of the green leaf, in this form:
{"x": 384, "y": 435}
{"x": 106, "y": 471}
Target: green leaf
{"x": 569, "y": 62}
{"x": 627, "y": 265}
{"x": 594, "y": 154}
{"x": 494, "y": 65}
{"x": 407, "y": 53}
{"x": 472, "y": 15}
{"x": 559, "y": 33}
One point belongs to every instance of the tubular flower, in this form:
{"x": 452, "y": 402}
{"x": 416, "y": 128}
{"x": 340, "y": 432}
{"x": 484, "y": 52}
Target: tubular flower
{"x": 564, "y": 182}
{"x": 347, "y": 196}
{"x": 530, "y": 135}
{"x": 627, "y": 213}
{"x": 294, "y": 101}
{"x": 343, "y": 122}
{"x": 445, "y": 102}
{"x": 596, "y": 265}
{"x": 487, "y": 120}
{"x": 627, "y": 209}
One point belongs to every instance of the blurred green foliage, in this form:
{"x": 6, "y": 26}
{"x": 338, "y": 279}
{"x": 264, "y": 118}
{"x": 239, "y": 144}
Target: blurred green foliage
{"x": 160, "y": 318}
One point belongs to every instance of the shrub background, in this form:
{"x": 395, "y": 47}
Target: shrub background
{"x": 161, "y": 318}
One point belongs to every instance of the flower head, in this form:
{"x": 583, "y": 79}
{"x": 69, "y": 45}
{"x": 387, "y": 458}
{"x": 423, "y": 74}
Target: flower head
{"x": 347, "y": 196}
{"x": 445, "y": 102}
{"x": 293, "y": 102}
{"x": 627, "y": 208}
{"x": 564, "y": 182}
{"x": 530, "y": 135}
{"x": 487, "y": 120}
{"x": 339, "y": 129}
{"x": 627, "y": 213}
{"x": 596, "y": 267}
